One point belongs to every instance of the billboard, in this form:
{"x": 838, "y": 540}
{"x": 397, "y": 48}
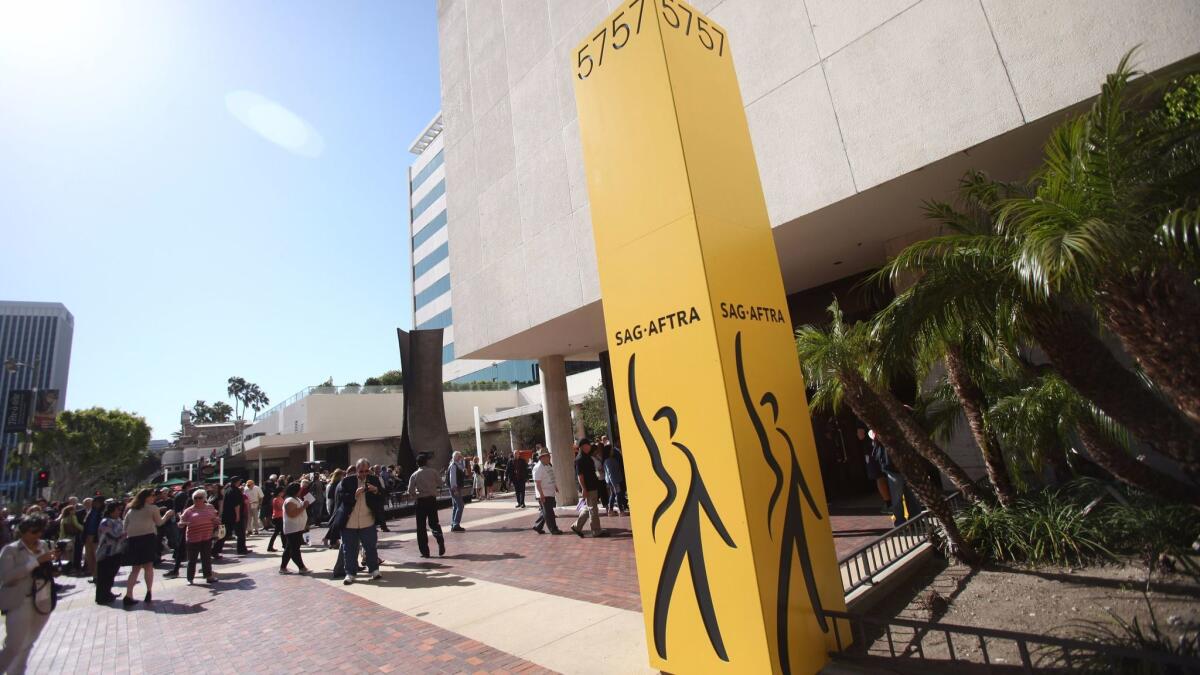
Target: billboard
{"x": 16, "y": 411}
{"x": 46, "y": 412}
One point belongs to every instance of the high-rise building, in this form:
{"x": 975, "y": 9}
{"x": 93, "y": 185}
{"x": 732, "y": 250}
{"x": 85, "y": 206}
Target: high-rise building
{"x": 431, "y": 264}
{"x": 35, "y": 337}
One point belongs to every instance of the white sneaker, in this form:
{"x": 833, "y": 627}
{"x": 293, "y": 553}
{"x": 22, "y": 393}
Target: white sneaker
{"x": 348, "y": 580}
{"x": 376, "y": 575}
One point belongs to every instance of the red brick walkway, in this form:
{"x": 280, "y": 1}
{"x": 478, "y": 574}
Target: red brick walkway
{"x": 257, "y": 621}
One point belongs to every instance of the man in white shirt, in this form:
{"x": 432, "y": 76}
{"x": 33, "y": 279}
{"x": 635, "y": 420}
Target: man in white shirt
{"x": 545, "y": 489}
{"x": 457, "y": 476}
{"x": 255, "y": 493}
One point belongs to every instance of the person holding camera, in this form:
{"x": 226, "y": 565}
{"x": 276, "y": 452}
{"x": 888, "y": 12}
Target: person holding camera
{"x": 360, "y": 506}
{"x": 27, "y": 593}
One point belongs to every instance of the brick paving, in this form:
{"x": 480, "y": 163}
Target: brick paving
{"x": 259, "y": 622}
{"x": 600, "y": 571}
{"x": 255, "y": 620}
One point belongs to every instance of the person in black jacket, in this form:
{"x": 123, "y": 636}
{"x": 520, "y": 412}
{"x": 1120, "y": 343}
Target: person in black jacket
{"x": 232, "y": 507}
{"x": 179, "y": 502}
{"x": 360, "y": 504}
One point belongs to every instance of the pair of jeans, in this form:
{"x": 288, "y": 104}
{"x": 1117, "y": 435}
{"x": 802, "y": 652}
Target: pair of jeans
{"x": 546, "y": 516}
{"x": 616, "y": 497}
{"x": 351, "y": 539}
{"x": 456, "y": 509}
{"x": 203, "y": 550}
{"x": 896, "y": 483}
{"x": 592, "y": 510}
{"x": 427, "y": 514}
{"x": 106, "y": 572}
{"x": 276, "y": 531}
{"x": 519, "y": 488}
{"x": 291, "y": 550}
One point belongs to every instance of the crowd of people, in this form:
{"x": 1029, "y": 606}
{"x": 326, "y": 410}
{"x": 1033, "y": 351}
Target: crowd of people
{"x": 189, "y": 526}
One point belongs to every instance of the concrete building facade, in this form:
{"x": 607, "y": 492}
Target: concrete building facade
{"x": 858, "y": 111}
{"x": 431, "y": 265}
{"x": 37, "y": 335}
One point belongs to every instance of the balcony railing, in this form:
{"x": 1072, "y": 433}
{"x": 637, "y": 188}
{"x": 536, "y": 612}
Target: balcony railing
{"x": 329, "y": 390}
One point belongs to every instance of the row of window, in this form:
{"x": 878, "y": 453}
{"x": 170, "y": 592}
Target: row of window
{"x": 431, "y": 228}
{"x": 438, "y": 321}
{"x": 435, "y": 290}
{"x": 437, "y": 191}
{"x": 435, "y": 256}
{"x": 426, "y": 172}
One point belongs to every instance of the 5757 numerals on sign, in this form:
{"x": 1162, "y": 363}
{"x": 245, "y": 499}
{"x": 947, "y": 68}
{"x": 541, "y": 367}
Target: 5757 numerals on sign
{"x": 678, "y": 15}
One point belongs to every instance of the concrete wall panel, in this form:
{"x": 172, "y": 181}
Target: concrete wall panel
{"x": 1050, "y": 73}
{"x": 764, "y": 56}
{"x": 487, "y": 54}
{"x": 923, "y": 85}
{"x": 526, "y": 35}
{"x": 837, "y": 23}
{"x": 801, "y": 159}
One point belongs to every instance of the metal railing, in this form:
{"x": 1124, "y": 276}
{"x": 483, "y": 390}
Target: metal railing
{"x": 860, "y": 566}
{"x": 322, "y": 389}
{"x": 1035, "y": 651}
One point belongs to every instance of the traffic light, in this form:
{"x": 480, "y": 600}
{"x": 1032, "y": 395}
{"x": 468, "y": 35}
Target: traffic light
{"x": 43, "y": 478}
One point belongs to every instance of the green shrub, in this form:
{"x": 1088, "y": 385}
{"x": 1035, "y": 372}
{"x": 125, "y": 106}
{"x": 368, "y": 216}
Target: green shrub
{"x": 1082, "y": 522}
{"x": 1046, "y": 528}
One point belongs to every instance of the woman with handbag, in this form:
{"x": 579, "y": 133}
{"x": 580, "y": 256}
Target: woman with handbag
{"x": 110, "y": 549}
{"x": 27, "y": 594}
{"x": 142, "y": 521}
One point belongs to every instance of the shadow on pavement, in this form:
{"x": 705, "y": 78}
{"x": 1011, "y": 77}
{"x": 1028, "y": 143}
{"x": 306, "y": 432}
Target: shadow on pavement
{"x": 414, "y": 579}
{"x": 483, "y": 557}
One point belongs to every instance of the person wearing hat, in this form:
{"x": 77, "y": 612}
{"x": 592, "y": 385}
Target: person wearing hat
{"x": 589, "y": 489}
{"x": 545, "y": 489}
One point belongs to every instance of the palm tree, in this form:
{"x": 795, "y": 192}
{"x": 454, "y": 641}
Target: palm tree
{"x": 1048, "y": 412}
{"x": 247, "y": 395}
{"x": 1102, "y": 223}
{"x": 972, "y": 276}
{"x": 836, "y": 362}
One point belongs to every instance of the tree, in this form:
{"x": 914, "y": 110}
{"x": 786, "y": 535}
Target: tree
{"x": 91, "y": 450}
{"x": 595, "y": 411}
{"x": 247, "y": 396}
{"x": 528, "y": 430}
{"x": 1111, "y": 223}
{"x": 392, "y": 378}
{"x": 1048, "y": 411}
{"x": 972, "y": 275}
{"x": 837, "y": 363}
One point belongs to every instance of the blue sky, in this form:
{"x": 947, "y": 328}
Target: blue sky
{"x": 189, "y": 246}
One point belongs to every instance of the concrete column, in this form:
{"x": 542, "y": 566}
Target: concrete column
{"x": 556, "y": 412}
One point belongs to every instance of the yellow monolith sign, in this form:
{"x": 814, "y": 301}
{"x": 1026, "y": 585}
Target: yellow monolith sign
{"x": 734, "y": 551}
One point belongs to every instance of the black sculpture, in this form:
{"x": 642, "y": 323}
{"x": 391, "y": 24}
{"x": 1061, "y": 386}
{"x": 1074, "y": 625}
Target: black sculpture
{"x": 792, "y": 534}
{"x": 685, "y": 540}
{"x": 424, "y": 427}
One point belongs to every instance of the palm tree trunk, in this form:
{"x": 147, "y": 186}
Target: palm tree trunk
{"x": 919, "y": 439}
{"x": 1157, "y": 319}
{"x": 1115, "y": 460}
{"x": 1091, "y": 369}
{"x": 866, "y": 405}
{"x": 973, "y": 405}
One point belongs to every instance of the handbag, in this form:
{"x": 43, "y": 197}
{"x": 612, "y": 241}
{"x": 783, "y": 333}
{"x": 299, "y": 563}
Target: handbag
{"x": 221, "y": 531}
